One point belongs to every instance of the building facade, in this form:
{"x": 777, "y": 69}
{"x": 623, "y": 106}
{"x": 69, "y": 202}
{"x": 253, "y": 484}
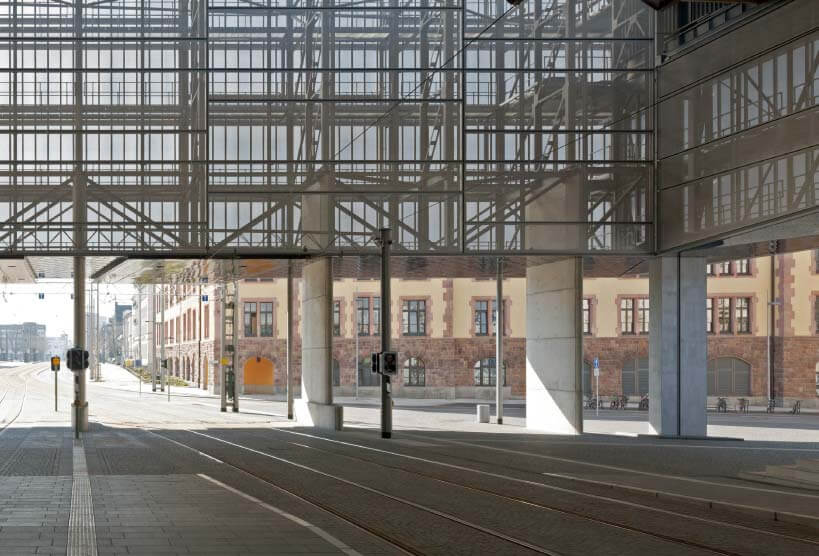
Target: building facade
{"x": 762, "y": 321}
{"x": 23, "y": 342}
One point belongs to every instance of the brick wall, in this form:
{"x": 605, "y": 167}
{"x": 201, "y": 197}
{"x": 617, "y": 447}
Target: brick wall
{"x": 448, "y": 362}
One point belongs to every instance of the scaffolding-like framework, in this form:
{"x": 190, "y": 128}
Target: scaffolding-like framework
{"x": 216, "y": 128}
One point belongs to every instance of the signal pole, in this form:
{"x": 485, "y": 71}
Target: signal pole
{"x": 386, "y": 386}
{"x": 153, "y": 365}
{"x": 163, "y": 370}
{"x": 80, "y": 413}
{"x": 290, "y": 338}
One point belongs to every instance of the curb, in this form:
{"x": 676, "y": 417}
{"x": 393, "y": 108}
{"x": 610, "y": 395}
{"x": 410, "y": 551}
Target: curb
{"x": 756, "y": 511}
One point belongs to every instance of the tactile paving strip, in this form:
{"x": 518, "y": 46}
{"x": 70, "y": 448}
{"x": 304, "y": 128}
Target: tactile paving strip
{"x": 82, "y": 538}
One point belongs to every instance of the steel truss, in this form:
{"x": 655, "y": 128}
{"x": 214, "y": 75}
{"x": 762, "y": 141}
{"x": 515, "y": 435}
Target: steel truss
{"x": 217, "y": 128}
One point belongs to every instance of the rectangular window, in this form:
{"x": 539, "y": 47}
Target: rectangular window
{"x": 724, "y": 314}
{"x": 627, "y": 316}
{"x": 414, "y": 317}
{"x": 709, "y": 269}
{"x": 587, "y": 316}
{"x": 336, "y": 318}
{"x": 816, "y": 313}
{"x": 642, "y": 315}
{"x": 363, "y": 315}
{"x": 376, "y": 316}
{"x": 481, "y": 318}
{"x": 266, "y": 319}
{"x": 250, "y": 319}
{"x": 206, "y": 321}
{"x": 743, "y": 267}
{"x": 725, "y": 267}
{"x": 742, "y": 309}
{"x": 178, "y": 330}
{"x": 709, "y": 315}
{"x": 495, "y": 318}
{"x": 185, "y": 327}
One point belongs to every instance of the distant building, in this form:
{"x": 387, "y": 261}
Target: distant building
{"x": 23, "y": 342}
{"x": 57, "y": 345}
{"x": 118, "y": 323}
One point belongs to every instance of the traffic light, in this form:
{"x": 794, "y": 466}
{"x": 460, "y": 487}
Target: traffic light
{"x": 389, "y": 363}
{"x": 77, "y": 359}
{"x": 55, "y": 363}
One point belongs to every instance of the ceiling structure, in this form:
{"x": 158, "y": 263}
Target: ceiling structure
{"x": 196, "y": 134}
{"x": 293, "y": 127}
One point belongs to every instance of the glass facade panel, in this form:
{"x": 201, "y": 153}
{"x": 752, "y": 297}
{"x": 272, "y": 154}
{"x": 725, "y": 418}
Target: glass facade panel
{"x": 205, "y": 125}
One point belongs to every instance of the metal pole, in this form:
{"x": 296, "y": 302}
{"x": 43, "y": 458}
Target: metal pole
{"x": 139, "y": 337}
{"x": 199, "y": 342}
{"x": 768, "y": 345}
{"x": 772, "y": 323}
{"x": 222, "y": 374}
{"x": 290, "y": 338}
{"x": 97, "y": 364}
{"x": 236, "y": 385}
{"x": 57, "y": 372}
{"x": 597, "y": 392}
{"x": 80, "y": 403}
{"x": 355, "y": 332}
{"x": 386, "y": 389}
{"x": 153, "y": 338}
{"x": 499, "y": 366}
{"x": 162, "y": 369}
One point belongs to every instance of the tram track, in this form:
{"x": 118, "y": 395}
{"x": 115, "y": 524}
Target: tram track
{"x": 679, "y": 541}
{"x": 27, "y": 374}
{"x": 529, "y": 483}
{"x": 541, "y": 505}
{"x": 345, "y": 516}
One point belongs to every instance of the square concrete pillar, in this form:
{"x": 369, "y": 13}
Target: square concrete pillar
{"x": 677, "y": 353}
{"x": 554, "y": 347}
{"x": 315, "y": 407}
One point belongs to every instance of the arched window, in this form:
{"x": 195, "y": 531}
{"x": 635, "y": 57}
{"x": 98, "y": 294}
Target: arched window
{"x": 587, "y": 378}
{"x": 729, "y": 376}
{"x": 414, "y": 372}
{"x": 485, "y": 372}
{"x": 336, "y": 373}
{"x": 635, "y": 377}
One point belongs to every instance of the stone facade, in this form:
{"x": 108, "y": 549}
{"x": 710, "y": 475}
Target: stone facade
{"x": 450, "y": 348}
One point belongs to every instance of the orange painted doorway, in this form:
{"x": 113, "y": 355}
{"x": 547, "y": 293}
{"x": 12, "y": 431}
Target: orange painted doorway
{"x": 259, "y": 372}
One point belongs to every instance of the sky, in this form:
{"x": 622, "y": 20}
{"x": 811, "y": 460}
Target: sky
{"x": 21, "y": 303}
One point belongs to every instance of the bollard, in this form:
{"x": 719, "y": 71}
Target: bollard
{"x": 483, "y": 413}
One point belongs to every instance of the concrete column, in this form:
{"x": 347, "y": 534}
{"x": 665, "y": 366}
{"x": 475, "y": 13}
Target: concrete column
{"x": 554, "y": 347}
{"x": 677, "y": 347}
{"x": 315, "y": 407}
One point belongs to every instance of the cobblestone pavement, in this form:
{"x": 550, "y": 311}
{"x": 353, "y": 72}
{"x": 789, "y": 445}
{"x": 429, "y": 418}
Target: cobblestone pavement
{"x": 180, "y": 477}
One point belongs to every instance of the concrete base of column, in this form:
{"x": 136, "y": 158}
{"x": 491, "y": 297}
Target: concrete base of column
{"x": 554, "y": 347}
{"x": 321, "y": 416}
{"x": 83, "y": 414}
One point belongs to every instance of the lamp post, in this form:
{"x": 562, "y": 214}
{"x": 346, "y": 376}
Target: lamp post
{"x": 769, "y": 308}
{"x": 167, "y": 370}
